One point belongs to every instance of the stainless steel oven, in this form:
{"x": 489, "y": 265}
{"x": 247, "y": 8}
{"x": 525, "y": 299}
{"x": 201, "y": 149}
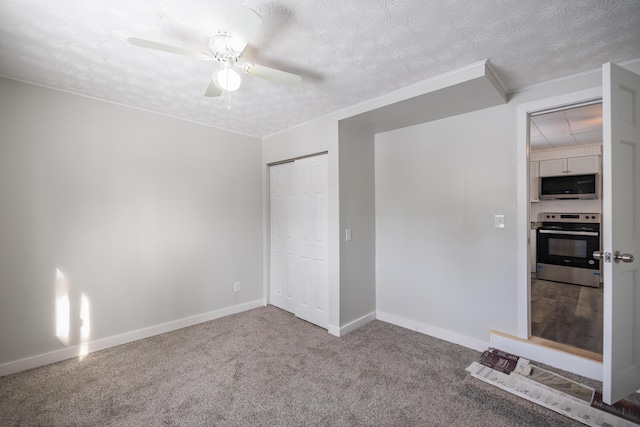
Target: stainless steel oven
{"x": 565, "y": 246}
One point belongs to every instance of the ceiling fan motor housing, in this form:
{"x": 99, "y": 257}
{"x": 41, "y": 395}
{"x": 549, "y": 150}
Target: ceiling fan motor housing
{"x": 220, "y": 48}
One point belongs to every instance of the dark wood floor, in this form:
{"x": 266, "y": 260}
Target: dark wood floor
{"x": 568, "y": 314}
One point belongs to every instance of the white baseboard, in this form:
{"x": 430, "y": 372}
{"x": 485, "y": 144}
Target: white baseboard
{"x": 74, "y": 351}
{"x": 433, "y": 331}
{"x": 556, "y": 358}
{"x": 340, "y": 331}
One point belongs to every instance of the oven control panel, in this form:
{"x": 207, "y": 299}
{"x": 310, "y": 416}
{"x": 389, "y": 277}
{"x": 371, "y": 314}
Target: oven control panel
{"x": 570, "y": 217}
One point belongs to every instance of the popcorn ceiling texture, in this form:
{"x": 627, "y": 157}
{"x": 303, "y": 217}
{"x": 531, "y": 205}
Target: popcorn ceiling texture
{"x": 347, "y": 51}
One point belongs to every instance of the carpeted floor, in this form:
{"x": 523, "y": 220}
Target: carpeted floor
{"x": 266, "y": 368}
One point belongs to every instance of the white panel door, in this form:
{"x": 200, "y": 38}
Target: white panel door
{"x": 312, "y": 284}
{"x": 621, "y": 231}
{"x": 281, "y": 236}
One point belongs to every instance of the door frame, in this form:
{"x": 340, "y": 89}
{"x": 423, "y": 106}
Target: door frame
{"x": 523, "y": 206}
{"x": 267, "y": 269}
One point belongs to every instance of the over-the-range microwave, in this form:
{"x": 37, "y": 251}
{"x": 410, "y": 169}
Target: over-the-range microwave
{"x": 569, "y": 187}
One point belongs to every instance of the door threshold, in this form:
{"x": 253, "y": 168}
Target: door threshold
{"x": 567, "y": 348}
{"x": 561, "y": 356}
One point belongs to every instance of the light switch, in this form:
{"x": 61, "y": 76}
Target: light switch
{"x": 499, "y": 221}
{"x": 347, "y": 234}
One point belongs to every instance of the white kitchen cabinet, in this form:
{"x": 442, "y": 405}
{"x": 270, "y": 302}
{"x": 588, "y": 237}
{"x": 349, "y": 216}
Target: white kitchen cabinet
{"x": 570, "y": 166}
{"x": 534, "y": 182}
{"x": 553, "y": 167}
{"x": 583, "y": 165}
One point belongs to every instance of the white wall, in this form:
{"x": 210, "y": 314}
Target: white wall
{"x": 350, "y": 301}
{"x": 310, "y": 138}
{"x": 442, "y": 267}
{"x": 357, "y": 213}
{"x": 154, "y": 218}
{"x": 151, "y": 218}
{"x": 440, "y": 261}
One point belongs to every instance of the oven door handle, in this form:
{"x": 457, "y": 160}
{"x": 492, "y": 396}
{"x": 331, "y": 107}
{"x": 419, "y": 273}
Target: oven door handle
{"x": 570, "y": 233}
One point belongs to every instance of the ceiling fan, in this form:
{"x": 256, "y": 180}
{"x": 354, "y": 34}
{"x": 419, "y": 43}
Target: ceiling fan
{"x": 226, "y": 47}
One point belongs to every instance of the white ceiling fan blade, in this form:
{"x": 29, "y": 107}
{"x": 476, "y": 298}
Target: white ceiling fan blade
{"x": 244, "y": 26}
{"x": 213, "y": 90}
{"x": 167, "y": 48}
{"x": 277, "y": 76}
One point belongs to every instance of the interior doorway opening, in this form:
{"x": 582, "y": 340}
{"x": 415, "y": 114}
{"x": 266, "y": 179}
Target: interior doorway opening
{"x": 566, "y": 293}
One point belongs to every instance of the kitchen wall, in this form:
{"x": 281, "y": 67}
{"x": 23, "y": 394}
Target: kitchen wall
{"x": 128, "y": 219}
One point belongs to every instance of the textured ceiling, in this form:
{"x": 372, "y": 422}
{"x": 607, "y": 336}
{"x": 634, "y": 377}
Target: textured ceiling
{"x": 347, "y": 51}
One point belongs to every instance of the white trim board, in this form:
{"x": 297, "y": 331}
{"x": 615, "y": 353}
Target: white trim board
{"x": 556, "y": 358}
{"x": 433, "y": 331}
{"x": 340, "y": 331}
{"x": 74, "y": 351}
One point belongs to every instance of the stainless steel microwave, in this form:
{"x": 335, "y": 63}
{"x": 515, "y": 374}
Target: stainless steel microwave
{"x": 569, "y": 187}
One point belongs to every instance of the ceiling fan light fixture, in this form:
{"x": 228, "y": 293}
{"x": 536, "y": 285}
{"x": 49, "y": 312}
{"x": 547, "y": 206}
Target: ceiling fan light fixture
{"x": 226, "y": 47}
{"x": 228, "y": 79}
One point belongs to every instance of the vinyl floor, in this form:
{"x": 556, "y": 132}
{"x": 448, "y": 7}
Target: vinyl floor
{"x": 568, "y": 314}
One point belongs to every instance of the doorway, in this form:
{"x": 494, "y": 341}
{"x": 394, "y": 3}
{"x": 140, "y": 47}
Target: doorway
{"x": 298, "y": 238}
{"x": 566, "y": 310}
{"x": 618, "y": 370}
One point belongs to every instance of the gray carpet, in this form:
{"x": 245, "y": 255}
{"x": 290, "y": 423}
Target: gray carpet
{"x": 265, "y": 367}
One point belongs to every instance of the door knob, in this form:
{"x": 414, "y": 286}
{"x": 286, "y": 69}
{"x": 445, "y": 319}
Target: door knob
{"x": 603, "y": 256}
{"x": 617, "y": 257}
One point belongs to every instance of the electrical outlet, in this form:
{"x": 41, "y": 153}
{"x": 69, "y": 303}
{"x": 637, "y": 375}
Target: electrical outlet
{"x": 499, "y": 221}
{"x": 236, "y": 287}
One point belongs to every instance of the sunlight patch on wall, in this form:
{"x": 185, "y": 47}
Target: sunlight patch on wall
{"x": 63, "y": 311}
{"x": 85, "y": 326}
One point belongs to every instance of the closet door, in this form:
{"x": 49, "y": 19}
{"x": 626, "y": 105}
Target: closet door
{"x": 311, "y": 187}
{"x": 281, "y": 236}
{"x": 298, "y": 278}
